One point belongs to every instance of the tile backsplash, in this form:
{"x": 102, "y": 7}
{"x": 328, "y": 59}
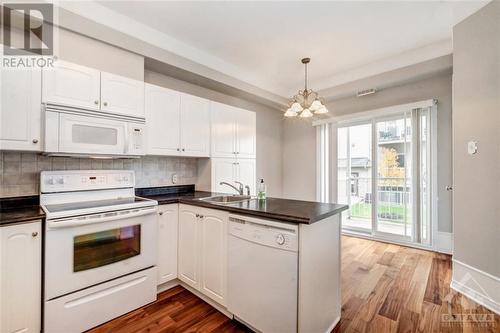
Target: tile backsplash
{"x": 20, "y": 172}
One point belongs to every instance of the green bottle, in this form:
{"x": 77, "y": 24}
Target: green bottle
{"x": 261, "y": 191}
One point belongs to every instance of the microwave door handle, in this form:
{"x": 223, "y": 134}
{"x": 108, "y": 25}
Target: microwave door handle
{"x": 118, "y": 216}
{"x": 126, "y": 147}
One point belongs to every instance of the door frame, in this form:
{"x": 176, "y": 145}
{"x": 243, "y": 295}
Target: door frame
{"x": 391, "y": 113}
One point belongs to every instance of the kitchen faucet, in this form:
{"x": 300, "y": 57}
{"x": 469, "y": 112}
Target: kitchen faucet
{"x": 239, "y": 190}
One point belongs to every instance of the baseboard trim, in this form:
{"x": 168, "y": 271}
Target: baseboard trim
{"x": 333, "y": 325}
{"x": 483, "y": 288}
{"x": 444, "y": 242}
{"x": 385, "y": 240}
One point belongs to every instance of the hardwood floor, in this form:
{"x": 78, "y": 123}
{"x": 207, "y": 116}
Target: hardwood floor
{"x": 385, "y": 288}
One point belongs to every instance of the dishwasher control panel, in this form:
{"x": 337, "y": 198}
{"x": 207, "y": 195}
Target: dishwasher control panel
{"x": 269, "y": 233}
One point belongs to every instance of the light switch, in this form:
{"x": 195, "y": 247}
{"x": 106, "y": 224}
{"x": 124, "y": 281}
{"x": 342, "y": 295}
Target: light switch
{"x": 472, "y": 147}
{"x": 175, "y": 179}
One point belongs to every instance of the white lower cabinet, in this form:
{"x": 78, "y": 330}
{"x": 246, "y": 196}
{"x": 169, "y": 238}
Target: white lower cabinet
{"x": 20, "y": 277}
{"x": 203, "y": 250}
{"x": 167, "y": 242}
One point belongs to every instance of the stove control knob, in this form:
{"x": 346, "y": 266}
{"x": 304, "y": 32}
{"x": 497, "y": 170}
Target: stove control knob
{"x": 50, "y": 181}
{"x": 60, "y": 181}
{"x": 280, "y": 239}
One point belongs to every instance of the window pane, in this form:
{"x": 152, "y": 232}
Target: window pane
{"x": 106, "y": 247}
{"x": 94, "y": 135}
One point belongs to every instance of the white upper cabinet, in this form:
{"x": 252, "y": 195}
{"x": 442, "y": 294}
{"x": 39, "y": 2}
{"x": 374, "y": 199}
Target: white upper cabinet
{"x": 230, "y": 170}
{"x": 195, "y": 126}
{"x": 223, "y": 130}
{"x": 79, "y": 86}
{"x": 177, "y": 123}
{"x": 246, "y": 134}
{"x": 122, "y": 95}
{"x": 246, "y": 171}
{"x": 20, "y": 277}
{"x": 223, "y": 170}
{"x": 162, "y": 120}
{"x": 167, "y": 242}
{"x": 233, "y": 132}
{"x": 20, "y": 109}
{"x": 71, "y": 84}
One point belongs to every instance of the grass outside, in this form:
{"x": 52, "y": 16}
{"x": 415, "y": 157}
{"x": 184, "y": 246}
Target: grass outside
{"x": 391, "y": 212}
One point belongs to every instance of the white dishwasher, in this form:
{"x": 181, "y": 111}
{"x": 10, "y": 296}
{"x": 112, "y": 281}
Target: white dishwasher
{"x": 262, "y": 273}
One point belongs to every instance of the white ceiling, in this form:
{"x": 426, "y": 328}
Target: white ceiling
{"x": 262, "y": 42}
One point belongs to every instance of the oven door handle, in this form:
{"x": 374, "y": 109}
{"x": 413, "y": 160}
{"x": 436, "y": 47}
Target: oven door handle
{"x": 105, "y": 217}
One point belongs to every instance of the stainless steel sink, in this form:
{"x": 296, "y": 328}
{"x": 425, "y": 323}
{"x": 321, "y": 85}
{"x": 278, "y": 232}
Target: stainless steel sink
{"x": 226, "y": 199}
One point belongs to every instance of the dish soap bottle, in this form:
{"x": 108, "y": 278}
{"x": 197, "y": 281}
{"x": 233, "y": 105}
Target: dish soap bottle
{"x": 261, "y": 195}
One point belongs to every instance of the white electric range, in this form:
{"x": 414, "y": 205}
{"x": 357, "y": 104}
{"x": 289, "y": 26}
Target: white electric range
{"x": 100, "y": 248}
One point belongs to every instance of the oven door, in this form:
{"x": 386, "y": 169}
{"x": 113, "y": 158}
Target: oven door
{"x": 86, "y": 250}
{"x": 92, "y": 135}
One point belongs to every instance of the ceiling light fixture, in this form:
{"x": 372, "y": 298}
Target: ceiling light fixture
{"x": 307, "y": 102}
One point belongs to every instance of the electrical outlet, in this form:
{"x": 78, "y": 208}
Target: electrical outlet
{"x": 175, "y": 179}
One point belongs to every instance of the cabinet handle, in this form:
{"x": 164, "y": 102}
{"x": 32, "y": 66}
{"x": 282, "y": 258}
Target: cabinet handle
{"x": 197, "y": 215}
{"x": 34, "y": 234}
{"x": 96, "y": 102}
{"x": 105, "y": 103}
{"x": 178, "y": 149}
{"x": 35, "y": 140}
{"x": 160, "y": 213}
{"x": 183, "y": 149}
{"x": 201, "y": 216}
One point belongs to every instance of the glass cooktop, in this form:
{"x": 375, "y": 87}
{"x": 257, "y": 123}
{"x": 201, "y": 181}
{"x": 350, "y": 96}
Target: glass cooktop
{"x": 56, "y": 208}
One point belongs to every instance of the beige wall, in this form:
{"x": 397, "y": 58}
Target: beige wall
{"x": 299, "y": 160}
{"x": 476, "y": 117}
{"x": 299, "y": 138}
{"x": 90, "y": 52}
{"x": 269, "y": 127}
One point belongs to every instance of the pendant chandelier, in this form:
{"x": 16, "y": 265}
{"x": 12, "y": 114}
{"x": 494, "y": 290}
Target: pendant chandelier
{"x": 307, "y": 102}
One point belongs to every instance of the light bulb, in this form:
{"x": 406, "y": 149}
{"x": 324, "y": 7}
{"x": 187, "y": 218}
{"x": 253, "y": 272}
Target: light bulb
{"x": 316, "y": 105}
{"x": 321, "y": 110}
{"x": 290, "y": 113}
{"x": 306, "y": 113}
{"x": 296, "y": 107}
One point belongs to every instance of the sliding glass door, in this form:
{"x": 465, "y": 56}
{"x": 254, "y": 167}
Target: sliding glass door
{"x": 383, "y": 175}
{"x": 354, "y": 149}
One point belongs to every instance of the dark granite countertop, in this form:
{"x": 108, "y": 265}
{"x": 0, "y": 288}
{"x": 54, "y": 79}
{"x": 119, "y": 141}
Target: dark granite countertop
{"x": 285, "y": 210}
{"x": 25, "y": 209}
{"x": 19, "y": 210}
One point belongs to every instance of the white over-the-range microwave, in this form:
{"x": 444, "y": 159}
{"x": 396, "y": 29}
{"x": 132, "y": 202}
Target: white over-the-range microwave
{"x": 71, "y": 131}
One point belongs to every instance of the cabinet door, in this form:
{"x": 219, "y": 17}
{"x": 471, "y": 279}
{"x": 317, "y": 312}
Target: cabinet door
{"x": 214, "y": 254}
{"x": 245, "y": 134}
{"x": 122, "y": 95}
{"x": 162, "y": 120}
{"x": 195, "y": 126}
{"x": 188, "y": 247}
{"x": 20, "y": 109}
{"x": 223, "y": 130}
{"x": 20, "y": 277}
{"x": 167, "y": 242}
{"x": 246, "y": 173}
{"x": 70, "y": 84}
{"x": 223, "y": 170}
